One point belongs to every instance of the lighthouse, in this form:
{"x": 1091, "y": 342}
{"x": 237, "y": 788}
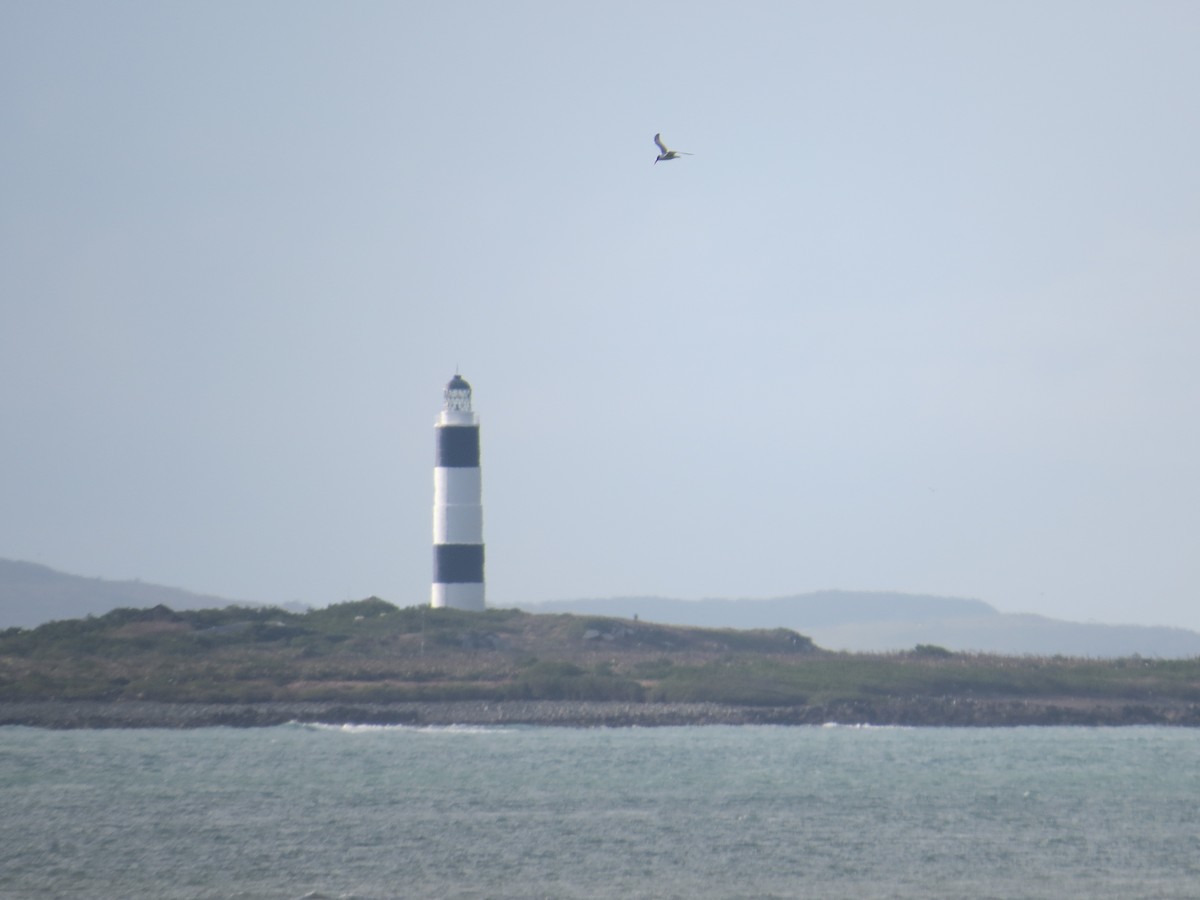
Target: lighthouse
{"x": 457, "y": 503}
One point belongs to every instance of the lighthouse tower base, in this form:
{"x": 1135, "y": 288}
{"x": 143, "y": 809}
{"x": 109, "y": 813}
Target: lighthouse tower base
{"x": 458, "y": 596}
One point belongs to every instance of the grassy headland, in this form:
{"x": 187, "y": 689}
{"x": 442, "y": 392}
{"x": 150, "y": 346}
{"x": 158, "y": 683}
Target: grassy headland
{"x": 371, "y": 656}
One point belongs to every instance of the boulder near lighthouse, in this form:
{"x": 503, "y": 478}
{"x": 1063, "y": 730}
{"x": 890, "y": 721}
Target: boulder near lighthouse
{"x": 457, "y": 503}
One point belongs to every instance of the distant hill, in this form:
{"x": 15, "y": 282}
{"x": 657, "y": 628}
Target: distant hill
{"x": 32, "y": 594}
{"x": 880, "y": 622}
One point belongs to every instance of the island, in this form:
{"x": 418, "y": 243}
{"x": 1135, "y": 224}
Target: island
{"x": 370, "y": 662}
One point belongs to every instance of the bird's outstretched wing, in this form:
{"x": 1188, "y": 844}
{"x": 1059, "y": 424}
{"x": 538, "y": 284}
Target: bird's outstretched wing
{"x": 658, "y": 140}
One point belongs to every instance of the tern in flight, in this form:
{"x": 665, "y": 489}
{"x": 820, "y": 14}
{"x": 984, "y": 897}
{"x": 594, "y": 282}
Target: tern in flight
{"x": 664, "y": 153}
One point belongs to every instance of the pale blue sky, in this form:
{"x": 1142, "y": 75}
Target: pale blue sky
{"x": 921, "y": 313}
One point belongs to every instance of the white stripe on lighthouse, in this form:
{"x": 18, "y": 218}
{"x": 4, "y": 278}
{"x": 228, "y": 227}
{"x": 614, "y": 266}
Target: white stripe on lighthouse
{"x": 458, "y": 596}
{"x": 457, "y": 512}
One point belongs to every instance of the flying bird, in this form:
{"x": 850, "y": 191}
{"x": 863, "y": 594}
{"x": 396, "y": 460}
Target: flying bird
{"x": 664, "y": 153}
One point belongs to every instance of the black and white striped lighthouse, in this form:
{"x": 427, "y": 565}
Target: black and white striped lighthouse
{"x": 457, "y": 503}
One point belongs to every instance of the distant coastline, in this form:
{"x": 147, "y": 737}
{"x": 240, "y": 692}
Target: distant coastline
{"x": 908, "y": 712}
{"x": 32, "y": 595}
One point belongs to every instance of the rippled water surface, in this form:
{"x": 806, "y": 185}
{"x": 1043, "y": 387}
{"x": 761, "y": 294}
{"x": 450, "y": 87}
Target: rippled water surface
{"x": 377, "y": 812}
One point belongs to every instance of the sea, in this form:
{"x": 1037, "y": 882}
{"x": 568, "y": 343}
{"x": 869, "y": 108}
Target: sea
{"x": 306, "y": 811}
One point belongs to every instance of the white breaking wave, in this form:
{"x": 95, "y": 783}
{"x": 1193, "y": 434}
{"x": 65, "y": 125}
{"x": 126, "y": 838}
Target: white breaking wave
{"x": 352, "y": 728}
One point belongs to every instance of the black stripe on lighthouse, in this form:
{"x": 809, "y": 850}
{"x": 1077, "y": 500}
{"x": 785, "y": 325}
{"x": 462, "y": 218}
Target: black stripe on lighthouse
{"x": 458, "y": 563}
{"x": 457, "y": 447}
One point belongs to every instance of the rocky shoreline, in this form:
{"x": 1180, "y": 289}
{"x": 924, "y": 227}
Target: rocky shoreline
{"x": 916, "y": 712}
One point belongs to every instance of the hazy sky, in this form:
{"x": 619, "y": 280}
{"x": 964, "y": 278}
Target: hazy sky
{"x": 921, "y": 314}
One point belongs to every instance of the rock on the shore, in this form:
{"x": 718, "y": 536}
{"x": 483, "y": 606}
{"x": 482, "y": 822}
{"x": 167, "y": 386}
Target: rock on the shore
{"x": 929, "y": 712}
